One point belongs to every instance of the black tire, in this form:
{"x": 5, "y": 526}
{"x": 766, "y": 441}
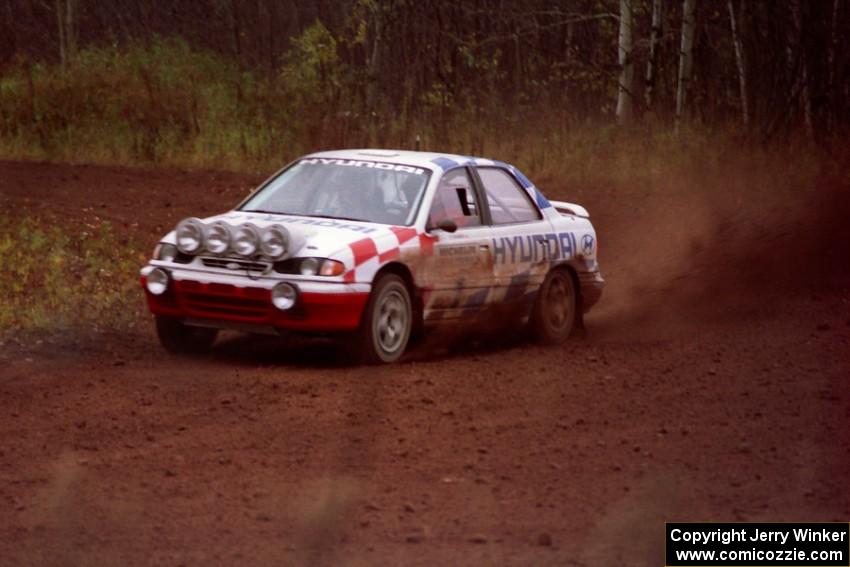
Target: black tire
{"x": 556, "y": 309}
{"x": 178, "y": 338}
{"x": 386, "y": 323}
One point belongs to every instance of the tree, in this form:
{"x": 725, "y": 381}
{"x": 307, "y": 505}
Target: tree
{"x": 798, "y": 65}
{"x": 652, "y": 60}
{"x": 624, "y": 94}
{"x": 833, "y": 46}
{"x": 685, "y": 58}
{"x": 66, "y": 14}
{"x": 739, "y": 59}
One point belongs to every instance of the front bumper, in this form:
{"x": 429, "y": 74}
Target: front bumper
{"x": 226, "y": 300}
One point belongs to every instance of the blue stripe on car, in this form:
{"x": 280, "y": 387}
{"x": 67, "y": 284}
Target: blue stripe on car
{"x": 477, "y": 299}
{"x": 542, "y": 201}
{"x": 522, "y": 178}
{"x": 444, "y": 162}
{"x": 517, "y": 286}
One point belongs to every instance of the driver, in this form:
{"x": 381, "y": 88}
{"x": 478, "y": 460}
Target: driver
{"x": 354, "y": 195}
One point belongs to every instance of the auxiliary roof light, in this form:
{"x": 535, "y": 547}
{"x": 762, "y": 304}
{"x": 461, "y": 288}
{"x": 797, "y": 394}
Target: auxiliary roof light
{"x": 190, "y": 236}
{"x": 246, "y": 240}
{"x": 274, "y": 241}
{"x": 218, "y": 235}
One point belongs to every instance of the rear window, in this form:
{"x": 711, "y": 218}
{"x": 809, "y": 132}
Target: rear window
{"x": 509, "y": 203}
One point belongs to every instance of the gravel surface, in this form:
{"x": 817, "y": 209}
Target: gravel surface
{"x": 696, "y": 395}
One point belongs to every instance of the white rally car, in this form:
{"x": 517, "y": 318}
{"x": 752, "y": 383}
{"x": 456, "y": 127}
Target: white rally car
{"x": 377, "y": 245}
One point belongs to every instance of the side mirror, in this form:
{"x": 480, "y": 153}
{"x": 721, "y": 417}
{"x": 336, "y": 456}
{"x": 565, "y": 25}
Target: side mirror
{"x": 448, "y": 225}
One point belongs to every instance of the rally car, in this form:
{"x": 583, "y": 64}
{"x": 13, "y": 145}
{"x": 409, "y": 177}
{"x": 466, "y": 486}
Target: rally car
{"x": 377, "y": 245}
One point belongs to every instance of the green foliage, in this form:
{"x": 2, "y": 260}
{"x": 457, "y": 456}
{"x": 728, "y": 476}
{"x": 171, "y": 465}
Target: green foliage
{"x": 159, "y": 102}
{"x": 312, "y": 80}
{"x": 312, "y": 65}
{"x": 54, "y": 280}
{"x": 166, "y": 102}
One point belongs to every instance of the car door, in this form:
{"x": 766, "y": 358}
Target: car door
{"x": 521, "y": 237}
{"x": 458, "y": 276}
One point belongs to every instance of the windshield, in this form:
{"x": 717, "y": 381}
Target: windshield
{"x": 358, "y": 190}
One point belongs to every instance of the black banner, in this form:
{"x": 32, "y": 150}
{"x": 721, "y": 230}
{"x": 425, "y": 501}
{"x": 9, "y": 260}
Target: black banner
{"x": 770, "y": 544}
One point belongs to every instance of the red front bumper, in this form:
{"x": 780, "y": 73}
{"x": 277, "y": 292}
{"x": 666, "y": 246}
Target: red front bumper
{"x": 252, "y": 305}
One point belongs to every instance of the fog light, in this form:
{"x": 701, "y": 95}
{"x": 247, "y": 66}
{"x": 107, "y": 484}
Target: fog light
{"x": 157, "y": 281}
{"x": 283, "y": 296}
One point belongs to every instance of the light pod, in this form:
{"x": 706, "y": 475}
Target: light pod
{"x": 274, "y": 241}
{"x": 190, "y": 235}
{"x": 246, "y": 240}
{"x": 218, "y": 235}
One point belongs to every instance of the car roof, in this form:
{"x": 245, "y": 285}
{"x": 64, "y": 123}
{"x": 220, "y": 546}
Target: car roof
{"x": 430, "y": 160}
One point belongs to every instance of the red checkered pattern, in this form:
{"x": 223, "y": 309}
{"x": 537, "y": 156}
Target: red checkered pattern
{"x": 371, "y": 252}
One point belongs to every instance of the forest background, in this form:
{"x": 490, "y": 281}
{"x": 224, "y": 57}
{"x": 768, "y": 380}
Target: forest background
{"x": 564, "y": 89}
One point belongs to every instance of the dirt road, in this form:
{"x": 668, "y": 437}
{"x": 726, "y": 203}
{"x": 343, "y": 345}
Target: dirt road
{"x": 712, "y": 385}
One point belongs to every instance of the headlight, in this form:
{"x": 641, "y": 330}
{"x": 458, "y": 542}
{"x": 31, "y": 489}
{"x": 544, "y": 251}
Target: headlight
{"x": 309, "y": 266}
{"x": 218, "y": 237}
{"x": 246, "y": 240}
{"x": 274, "y": 242}
{"x": 284, "y": 296}
{"x": 157, "y": 281}
{"x": 165, "y": 252}
{"x": 190, "y": 236}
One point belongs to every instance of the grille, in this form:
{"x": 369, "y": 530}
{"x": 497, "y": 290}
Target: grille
{"x": 216, "y": 300}
{"x": 236, "y": 264}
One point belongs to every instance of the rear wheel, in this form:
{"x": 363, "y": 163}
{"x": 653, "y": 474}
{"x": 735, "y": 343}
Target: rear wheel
{"x": 179, "y": 338}
{"x": 387, "y": 321}
{"x": 554, "y": 314}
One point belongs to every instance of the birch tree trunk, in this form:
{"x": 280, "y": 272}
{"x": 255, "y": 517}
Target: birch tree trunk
{"x": 802, "y": 80}
{"x": 685, "y": 58}
{"x": 67, "y": 25}
{"x": 374, "y": 65}
{"x": 624, "y": 95}
{"x": 739, "y": 59}
{"x": 652, "y": 61}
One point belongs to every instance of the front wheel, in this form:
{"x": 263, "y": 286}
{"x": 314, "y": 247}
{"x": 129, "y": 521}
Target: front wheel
{"x": 554, "y": 312}
{"x": 179, "y": 338}
{"x": 386, "y": 324}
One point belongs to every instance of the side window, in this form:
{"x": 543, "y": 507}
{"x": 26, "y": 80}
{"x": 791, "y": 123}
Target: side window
{"x": 508, "y": 201}
{"x": 455, "y": 200}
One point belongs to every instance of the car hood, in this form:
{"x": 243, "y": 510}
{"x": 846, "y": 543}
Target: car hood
{"x": 310, "y": 236}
